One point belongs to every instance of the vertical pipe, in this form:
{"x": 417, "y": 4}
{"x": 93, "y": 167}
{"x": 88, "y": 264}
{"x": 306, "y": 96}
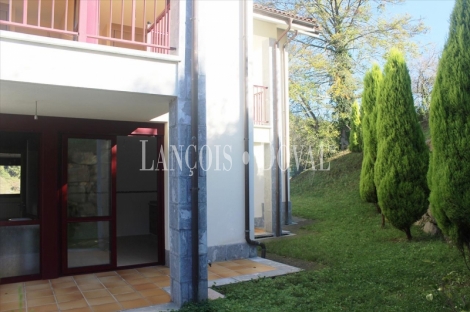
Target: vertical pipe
{"x": 133, "y": 21}
{"x": 25, "y": 12}
{"x": 66, "y": 13}
{"x": 122, "y": 19}
{"x": 98, "y": 17}
{"x": 39, "y": 13}
{"x": 53, "y": 13}
{"x": 10, "y": 6}
{"x": 247, "y": 41}
{"x": 144, "y": 25}
{"x": 110, "y": 18}
{"x": 195, "y": 176}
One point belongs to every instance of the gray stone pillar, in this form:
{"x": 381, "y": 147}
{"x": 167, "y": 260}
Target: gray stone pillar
{"x": 181, "y": 257}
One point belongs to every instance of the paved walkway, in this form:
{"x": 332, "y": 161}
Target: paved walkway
{"x": 143, "y": 289}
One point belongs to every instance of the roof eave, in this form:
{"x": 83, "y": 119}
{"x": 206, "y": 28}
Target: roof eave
{"x": 281, "y": 21}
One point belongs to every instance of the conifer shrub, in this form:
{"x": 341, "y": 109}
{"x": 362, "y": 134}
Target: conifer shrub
{"x": 372, "y": 81}
{"x": 355, "y": 135}
{"x": 449, "y": 171}
{"x": 402, "y": 155}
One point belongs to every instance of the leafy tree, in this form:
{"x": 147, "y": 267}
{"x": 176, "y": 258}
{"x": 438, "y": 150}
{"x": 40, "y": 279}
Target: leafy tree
{"x": 450, "y": 132}
{"x": 402, "y": 155}
{"x": 372, "y": 82}
{"x": 355, "y": 134}
{"x": 352, "y": 34}
{"x": 423, "y": 73}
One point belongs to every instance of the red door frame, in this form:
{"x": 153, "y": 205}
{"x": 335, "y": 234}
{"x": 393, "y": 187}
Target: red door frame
{"x": 49, "y": 130}
{"x": 65, "y": 220}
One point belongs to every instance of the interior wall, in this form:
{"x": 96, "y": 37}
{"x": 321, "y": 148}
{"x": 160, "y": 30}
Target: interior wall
{"x": 135, "y": 188}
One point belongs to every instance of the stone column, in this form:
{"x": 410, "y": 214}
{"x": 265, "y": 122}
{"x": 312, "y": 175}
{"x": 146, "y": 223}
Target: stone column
{"x": 181, "y": 257}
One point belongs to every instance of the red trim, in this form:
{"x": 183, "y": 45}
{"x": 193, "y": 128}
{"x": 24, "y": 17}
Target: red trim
{"x": 16, "y": 223}
{"x": 19, "y": 279}
{"x": 65, "y": 220}
{"x": 49, "y": 130}
{"x": 161, "y": 203}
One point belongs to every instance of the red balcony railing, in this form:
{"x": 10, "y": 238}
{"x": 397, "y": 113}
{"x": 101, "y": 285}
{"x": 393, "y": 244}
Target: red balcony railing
{"x": 134, "y": 24}
{"x": 260, "y": 109}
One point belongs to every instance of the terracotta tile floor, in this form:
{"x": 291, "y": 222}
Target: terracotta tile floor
{"x": 108, "y": 291}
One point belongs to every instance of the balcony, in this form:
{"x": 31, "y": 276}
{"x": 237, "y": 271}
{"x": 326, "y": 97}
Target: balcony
{"x": 133, "y": 24}
{"x": 260, "y": 107}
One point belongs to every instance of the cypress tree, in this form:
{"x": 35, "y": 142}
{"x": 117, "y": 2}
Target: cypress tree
{"x": 402, "y": 155}
{"x": 449, "y": 172}
{"x": 355, "y": 135}
{"x": 372, "y": 81}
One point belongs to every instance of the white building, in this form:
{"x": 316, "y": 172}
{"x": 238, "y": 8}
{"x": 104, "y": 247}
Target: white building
{"x": 96, "y": 108}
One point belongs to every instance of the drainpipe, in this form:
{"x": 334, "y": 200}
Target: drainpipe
{"x": 195, "y": 171}
{"x": 286, "y": 118}
{"x": 247, "y": 45}
{"x": 276, "y": 129}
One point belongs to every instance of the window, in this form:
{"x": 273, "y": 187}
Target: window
{"x": 10, "y": 174}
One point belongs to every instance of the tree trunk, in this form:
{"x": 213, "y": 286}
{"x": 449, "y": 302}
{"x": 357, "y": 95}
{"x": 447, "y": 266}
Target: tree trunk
{"x": 344, "y": 140}
{"x": 383, "y": 220}
{"x": 378, "y": 208}
{"x": 408, "y": 234}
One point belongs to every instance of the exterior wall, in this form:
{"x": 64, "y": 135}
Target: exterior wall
{"x": 225, "y": 120}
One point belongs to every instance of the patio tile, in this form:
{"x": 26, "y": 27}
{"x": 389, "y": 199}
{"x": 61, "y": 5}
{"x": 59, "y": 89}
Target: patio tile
{"x": 127, "y": 297}
{"x": 101, "y": 300}
{"x": 144, "y": 286}
{"x": 40, "y": 282}
{"x": 138, "y": 281}
{"x": 121, "y": 290}
{"x": 41, "y": 301}
{"x": 109, "y": 307}
{"x": 80, "y": 310}
{"x": 137, "y": 303}
{"x": 73, "y": 305}
{"x": 11, "y": 306}
{"x": 115, "y": 284}
{"x": 159, "y": 299}
{"x": 62, "y": 280}
{"x": 38, "y": 287}
{"x": 165, "y": 283}
{"x": 64, "y": 285}
{"x": 159, "y": 279}
{"x": 114, "y": 278}
{"x": 84, "y": 281}
{"x": 228, "y": 273}
{"x": 129, "y": 277}
{"x": 212, "y": 276}
{"x": 69, "y": 297}
{"x": 67, "y": 290}
{"x": 96, "y": 293}
{"x": 84, "y": 276}
{"x": 153, "y": 274}
{"x": 87, "y": 287}
{"x": 45, "y": 308}
{"x": 152, "y": 292}
{"x": 9, "y": 298}
{"x": 104, "y": 274}
{"x": 39, "y": 293}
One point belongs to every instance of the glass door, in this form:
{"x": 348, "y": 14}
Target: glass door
{"x": 88, "y": 196}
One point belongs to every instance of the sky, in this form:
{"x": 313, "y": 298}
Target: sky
{"x": 436, "y": 15}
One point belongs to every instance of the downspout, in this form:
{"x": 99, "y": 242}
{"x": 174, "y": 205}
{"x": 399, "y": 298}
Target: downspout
{"x": 286, "y": 116}
{"x": 195, "y": 170}
{"x": 276, "y": 129}
{"x": 246, "y": 51}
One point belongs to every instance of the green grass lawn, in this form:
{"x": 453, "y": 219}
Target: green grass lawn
{"x": 363, "y": 267}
